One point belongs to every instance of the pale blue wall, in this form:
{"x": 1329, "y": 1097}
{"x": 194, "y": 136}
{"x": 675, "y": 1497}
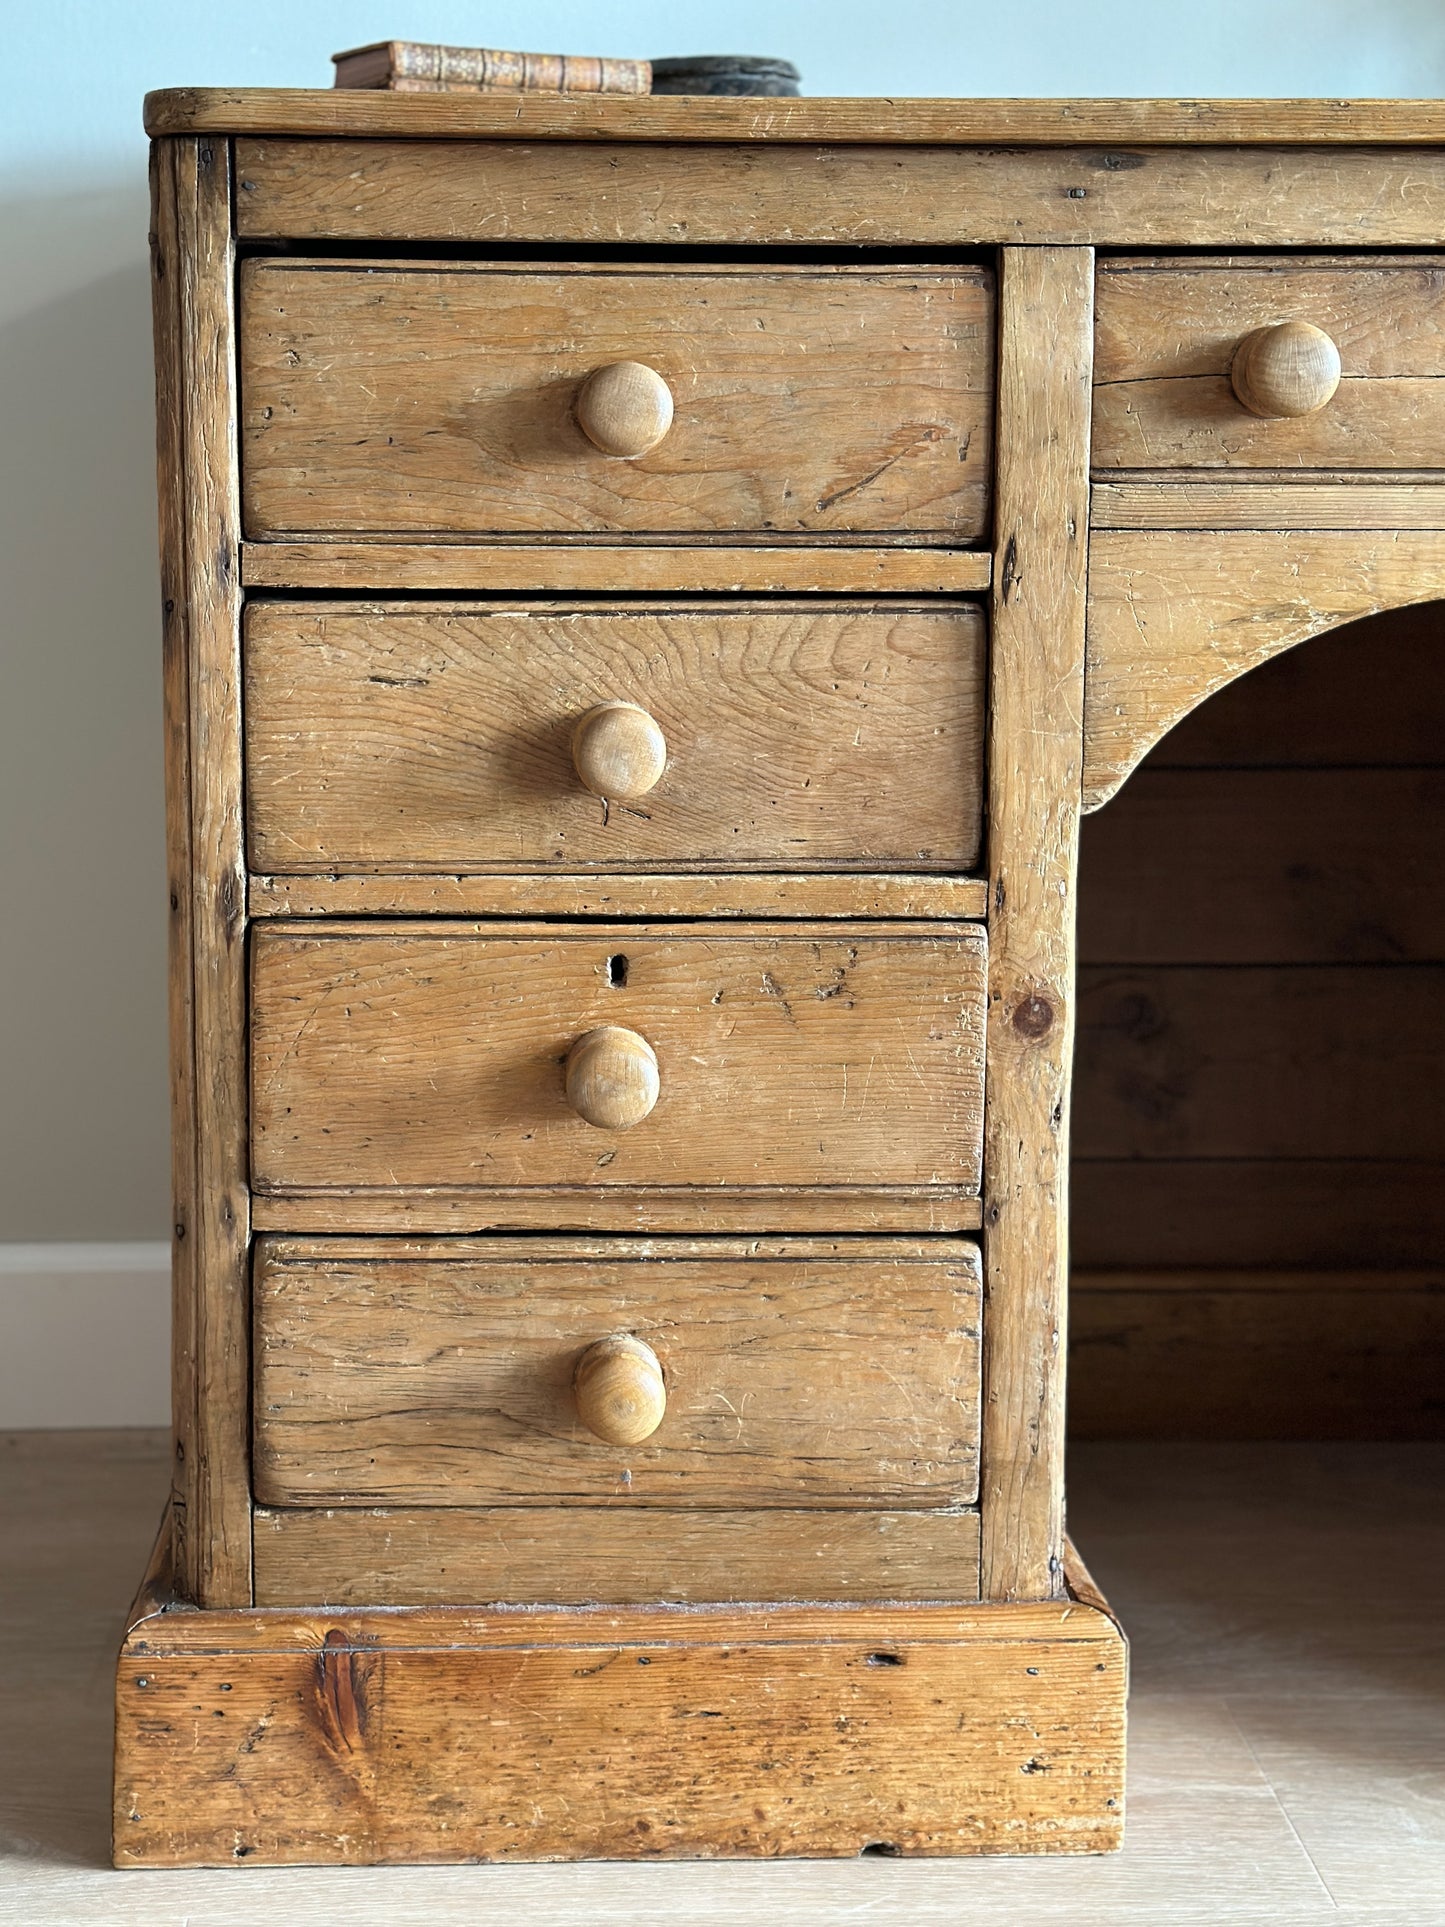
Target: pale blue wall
{"x": 82, "y": 1084}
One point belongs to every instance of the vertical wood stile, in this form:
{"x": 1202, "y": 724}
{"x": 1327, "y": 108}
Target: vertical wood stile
{"x": 1035, "y": 756}
{"x": 194, "y": 279}
{"x": 165, "y": 294}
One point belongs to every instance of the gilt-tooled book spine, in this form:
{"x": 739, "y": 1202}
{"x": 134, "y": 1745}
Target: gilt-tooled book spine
{"x": 413, "y": 66}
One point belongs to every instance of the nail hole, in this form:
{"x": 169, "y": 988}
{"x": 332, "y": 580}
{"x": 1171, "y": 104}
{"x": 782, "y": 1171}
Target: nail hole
{"x": 885, "y": 1659}
{"x": 617, "y": 971}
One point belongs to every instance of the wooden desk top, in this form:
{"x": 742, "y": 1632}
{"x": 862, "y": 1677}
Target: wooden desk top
{"x": 355, "y": 114}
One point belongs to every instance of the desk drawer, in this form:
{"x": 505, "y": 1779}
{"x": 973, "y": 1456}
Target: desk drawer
{"x": 1168, "y": 334}
{"x": 719, "y": 1060}
{"x": 451, "y": 398}
{"x": 444, "y": 1372}
{"x": 445, "y": 740}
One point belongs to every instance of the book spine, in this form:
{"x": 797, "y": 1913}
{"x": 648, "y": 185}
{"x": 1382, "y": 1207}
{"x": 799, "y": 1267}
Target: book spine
{"x": 417, "y": 67}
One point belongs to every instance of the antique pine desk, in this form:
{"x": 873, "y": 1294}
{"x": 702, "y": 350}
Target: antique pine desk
{"x": 650, "y": 587}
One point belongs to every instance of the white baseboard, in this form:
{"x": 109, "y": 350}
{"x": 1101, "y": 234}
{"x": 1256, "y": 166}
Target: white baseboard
{"x": 84, "y": 1335}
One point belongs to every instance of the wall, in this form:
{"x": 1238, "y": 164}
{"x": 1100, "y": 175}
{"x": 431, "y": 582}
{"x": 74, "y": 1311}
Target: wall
{"x": 83, "y": 1126}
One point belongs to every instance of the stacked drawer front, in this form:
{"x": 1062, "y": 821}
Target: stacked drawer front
{"x": 449, "y": 1111}
{"x": 1188, "y": 381}
{"x": 418, "y": 1434}
{"x": 384, "y": 399}
{"x": 799, "y": 736}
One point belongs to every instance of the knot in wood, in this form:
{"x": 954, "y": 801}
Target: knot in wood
{"x": 1034, "y": 1017}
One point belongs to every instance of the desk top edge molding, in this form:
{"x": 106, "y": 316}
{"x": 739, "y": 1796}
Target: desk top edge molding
{"x": 368, "y": 114}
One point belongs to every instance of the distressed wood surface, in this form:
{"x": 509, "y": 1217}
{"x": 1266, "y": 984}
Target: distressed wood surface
{"x": 933, "y": 196}
{"x": 1317, "y": 1061}
{"x": 1035, "y": 725}
{"x": 1008, "y": 122}
{"x": 449, "y": 1380}
{"x": 1250, "y": 866}
{"x": 790, "y": 1056}
{"x": 200, "y": 585}
{"x": 575, "y": 565}
{"x": 1312, "y": 709}
{"x": 157, "y": 1629}
{"x": 647, "y": 895}
{"x": 1262, "y": 501}
{"x": 1204, "y": 1832}
{"x": 617, "y": 1733}
{"x": 531, "y": 1556}
{"x": 1174, "y": 616}
{"x": 643, "y": 1208}
{"x": 1182, "y": 316}
{"x": 392, "y": 738}
{"x": 175, "y": 666}
{"x": 568, "y": 1247}
{"x": 1168, "y": 332}
{"x": 1227, "y": 1354}
{"x": 438, "y": 398}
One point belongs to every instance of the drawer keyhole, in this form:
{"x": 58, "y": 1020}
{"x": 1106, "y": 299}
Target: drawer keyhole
{"x": 617, "y": 971}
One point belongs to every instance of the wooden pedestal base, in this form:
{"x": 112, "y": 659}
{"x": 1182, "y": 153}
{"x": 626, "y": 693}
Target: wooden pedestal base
{"x": 446, "y": 1734}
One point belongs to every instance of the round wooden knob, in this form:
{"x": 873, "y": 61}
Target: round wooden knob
{"x": 625, "y": 408}
{"x": 619, "y": 1389}
{"x": 612, "y": 1078}
{"x": 1291, "y": 368}
{"x": 618, "y": 750}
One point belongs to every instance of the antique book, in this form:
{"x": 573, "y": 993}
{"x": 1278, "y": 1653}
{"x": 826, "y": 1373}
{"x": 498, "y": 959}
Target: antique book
{"x": 411, "y": 66}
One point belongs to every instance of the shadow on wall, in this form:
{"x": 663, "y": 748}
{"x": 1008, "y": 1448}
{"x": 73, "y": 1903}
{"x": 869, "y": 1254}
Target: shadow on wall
{"x": 83, "y": 1143}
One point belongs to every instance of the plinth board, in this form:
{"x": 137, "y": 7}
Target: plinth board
{"x": 458, "y": 1734}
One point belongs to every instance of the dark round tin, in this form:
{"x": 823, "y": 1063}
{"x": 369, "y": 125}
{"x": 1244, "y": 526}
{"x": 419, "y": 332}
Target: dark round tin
{"x": 725, "y": 74}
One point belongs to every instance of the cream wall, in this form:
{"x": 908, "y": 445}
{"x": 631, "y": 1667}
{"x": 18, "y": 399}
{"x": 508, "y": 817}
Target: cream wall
{"x": 83, "y": 1155}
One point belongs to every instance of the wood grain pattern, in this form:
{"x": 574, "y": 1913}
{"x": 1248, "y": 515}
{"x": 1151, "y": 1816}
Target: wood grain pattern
{"x": 1311, "y": 709}
{"x": 619, "y": 1389}
{"x": 439, "y": 398}
{"x": 448, "y": 1380}
{"x": 561, "y": 566}
{"x": 1167, "y": 335}
{"x": 1257, "y": 1354}
{"x": 610, "y": 1077}
{"x": 646, "y": 1208}
{"x": 1035, "y": 728}
{"x": 157, "y": 1631}
{"x": 199, "y": 532}
{"x": 637, "y": 897}
{"x": 619, "y": 750}
{"x": 569, "y": 1247}
{"x": 1174, "y": 616}
{"x": 788, "y": 1730}
{"x": 790, "y": 1056}
{"x": 176, "y": 687}
{"x": 1165, "y": 1525}
{"x": 544, "y": 1556}
{"x": 1008, "y": 122}
{"x": 1285, "y": 369}
{"x": 1257, "y": 501}
{"x": 1260, "y": 866}
{"x": 1249, "y": 1212}
{"x": 1259, "y": 834}
{"x": 624, "y": 408}
{"x": 1284, "y": 1062}
{"x": 747, "y": 194}
{"x": 392, "y": 738}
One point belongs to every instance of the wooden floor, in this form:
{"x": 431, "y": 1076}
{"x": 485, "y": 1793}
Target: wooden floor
{"x": 1287, "y": 1759}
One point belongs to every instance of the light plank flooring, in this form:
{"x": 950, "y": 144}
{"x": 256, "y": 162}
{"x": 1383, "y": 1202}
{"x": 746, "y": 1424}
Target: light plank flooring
{"x": 1287, "y": 1760}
